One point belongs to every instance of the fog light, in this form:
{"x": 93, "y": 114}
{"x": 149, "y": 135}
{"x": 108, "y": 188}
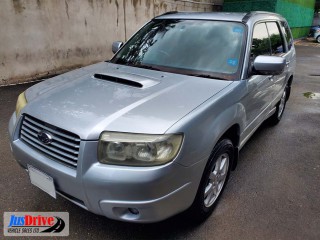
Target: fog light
{"x": 133, "y": 211}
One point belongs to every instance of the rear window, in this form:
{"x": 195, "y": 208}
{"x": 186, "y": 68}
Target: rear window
{"x": 287, "y": 34}
{"x": 277, "y": 47}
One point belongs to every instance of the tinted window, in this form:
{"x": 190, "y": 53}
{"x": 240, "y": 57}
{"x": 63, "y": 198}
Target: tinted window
{"x": 260, "y": 41}
{"x": 287, "y": 34}
{"x": 275, "y": 38}
{"x": 192, "y": 47}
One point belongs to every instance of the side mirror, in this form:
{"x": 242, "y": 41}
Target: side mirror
{"x": 269, "y": 65}
{"x": 116, "y": 46}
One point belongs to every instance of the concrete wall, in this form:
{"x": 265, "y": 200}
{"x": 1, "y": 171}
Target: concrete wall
{"x": 40, "y": 38}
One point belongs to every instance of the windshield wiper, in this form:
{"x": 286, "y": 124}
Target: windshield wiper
{"x": 131, "y": 64}
{"x": 146, "y": 67}
{"x": 207, "y": 76}
{"x": 123, "y": 62}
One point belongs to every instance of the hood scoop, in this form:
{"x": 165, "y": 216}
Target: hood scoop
{"x": 132, "y": 80}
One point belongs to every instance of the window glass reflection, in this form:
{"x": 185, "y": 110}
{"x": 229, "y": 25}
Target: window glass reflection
{"x": 260, "y": 41}
{"x": 275, "y": 38}
{"x": 187, "y": 46}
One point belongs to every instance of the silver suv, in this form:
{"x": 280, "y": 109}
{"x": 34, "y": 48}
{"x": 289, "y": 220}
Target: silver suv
{"x": 158, "y": 128}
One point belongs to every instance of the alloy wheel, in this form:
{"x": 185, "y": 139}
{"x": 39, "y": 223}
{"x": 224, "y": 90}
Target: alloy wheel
{"x": 217, "y": 178}
{"x": 282, "y": 104}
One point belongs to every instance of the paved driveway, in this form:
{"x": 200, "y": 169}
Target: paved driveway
{"x": 273, "y": 194}
{"x": 307, "y": 42}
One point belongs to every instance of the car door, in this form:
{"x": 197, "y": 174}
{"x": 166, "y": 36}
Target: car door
{"x": 278, "y": 48}
{"x": 259, "y": 87}
{"x": 290, "y": 54}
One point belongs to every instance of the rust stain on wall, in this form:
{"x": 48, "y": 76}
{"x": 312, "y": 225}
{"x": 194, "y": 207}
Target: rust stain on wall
{"x": 117, "y": 5}
{"x": 148, "y": 4}
{"x": 67, "y": 8}
{"x": 136, "y": 2}
{"x": 39, "y": 4}
{"x": 125, "y": 20}
{"x": 91, "y": 3}
{"x": 18, "y": 6}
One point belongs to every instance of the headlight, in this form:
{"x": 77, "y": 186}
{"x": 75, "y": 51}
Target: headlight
{"x": 21, "y": 103}
{"x": 138, "y": 149}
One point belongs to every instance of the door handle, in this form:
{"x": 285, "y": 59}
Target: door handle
{"x": 271, "y": 78}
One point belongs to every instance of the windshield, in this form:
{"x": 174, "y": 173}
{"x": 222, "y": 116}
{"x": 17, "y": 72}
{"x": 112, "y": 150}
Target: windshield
{"x": 201, "y": 48}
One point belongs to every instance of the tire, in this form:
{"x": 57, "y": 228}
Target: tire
{"x": 288, "y": 92}
{"x": 213, "y": 182}
{"x": 318, "y": 39}
{"x": 276, "y": 117}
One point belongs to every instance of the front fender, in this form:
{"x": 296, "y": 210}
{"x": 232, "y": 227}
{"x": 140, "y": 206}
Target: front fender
{"x": 204, "y": 126}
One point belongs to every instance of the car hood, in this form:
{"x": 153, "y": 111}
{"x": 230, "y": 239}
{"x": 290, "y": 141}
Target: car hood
{"x": 80, "y": 103}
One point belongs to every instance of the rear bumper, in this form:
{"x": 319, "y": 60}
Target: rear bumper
{"x": 155, "y": 193}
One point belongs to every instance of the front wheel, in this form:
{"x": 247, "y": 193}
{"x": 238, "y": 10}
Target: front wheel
{"x": 214, "y": 180}
{"x": 276, "y": 117}
{"x": 318, "y": 39}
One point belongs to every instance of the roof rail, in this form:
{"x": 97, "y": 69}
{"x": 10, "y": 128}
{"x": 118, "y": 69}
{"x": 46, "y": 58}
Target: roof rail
{"x": 167, "y": 13}
{"x": 246, "y": 17}
{"x": 251, "y": 14}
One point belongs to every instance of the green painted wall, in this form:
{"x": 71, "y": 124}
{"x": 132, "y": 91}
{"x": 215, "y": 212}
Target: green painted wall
{"x": 249, "y": 5}
{"x": 299, "y": 13}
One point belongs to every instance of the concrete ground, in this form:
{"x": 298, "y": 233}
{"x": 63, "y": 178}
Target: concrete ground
{"x": 309, "y": 42}
{"x": 273, "y": 194}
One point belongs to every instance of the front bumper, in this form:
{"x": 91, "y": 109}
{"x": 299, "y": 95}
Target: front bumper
{"x": 155, "y": 193}
{"x": 314, "y": 35}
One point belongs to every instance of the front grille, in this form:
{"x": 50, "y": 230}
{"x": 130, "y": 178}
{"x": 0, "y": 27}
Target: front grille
{"x": 64, "y": 147}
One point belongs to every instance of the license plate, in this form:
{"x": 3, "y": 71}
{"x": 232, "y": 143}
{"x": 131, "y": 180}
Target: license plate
{"x": 42, "y": 181}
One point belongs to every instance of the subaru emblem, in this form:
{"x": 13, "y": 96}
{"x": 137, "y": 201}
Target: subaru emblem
{"x": 44, "y": 137}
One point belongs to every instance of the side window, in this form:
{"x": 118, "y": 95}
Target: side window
{"x": 277, "y": 47}
{"x": 260, "y": 41}
{"x": 287, "y": 34}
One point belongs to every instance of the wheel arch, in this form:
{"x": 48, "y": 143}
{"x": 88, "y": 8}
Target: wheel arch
{"x": 290, "y": 80}
{"x": 289, "y": 83}
{"x": 233, "y": 134}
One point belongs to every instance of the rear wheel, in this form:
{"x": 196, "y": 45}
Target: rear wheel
{"x": 318, "y": 39}
{"x": 214, "y": 180}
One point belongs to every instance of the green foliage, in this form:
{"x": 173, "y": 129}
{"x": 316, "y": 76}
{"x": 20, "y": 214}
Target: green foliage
{"x": 260, "y": 46}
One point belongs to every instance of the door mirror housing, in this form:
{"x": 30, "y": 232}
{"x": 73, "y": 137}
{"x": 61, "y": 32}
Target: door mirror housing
{"x": 269, "y": 65}
{"x": 116, "y": 46}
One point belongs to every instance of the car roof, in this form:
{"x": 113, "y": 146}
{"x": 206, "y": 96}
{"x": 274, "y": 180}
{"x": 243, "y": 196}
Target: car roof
{"x": 221, "y": 16}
